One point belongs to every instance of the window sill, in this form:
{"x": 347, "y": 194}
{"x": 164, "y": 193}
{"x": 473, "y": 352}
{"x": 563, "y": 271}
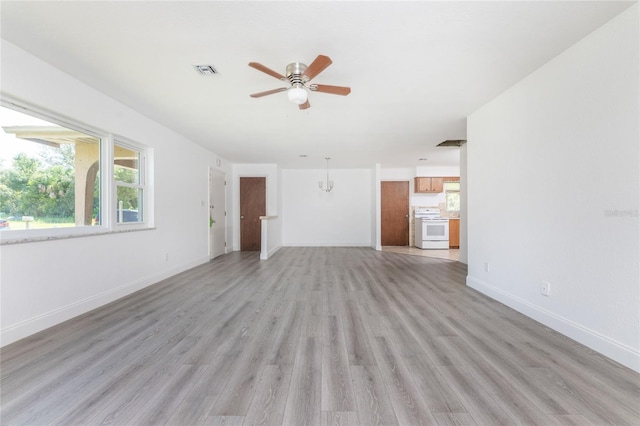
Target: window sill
{"x": 21, "y": 239}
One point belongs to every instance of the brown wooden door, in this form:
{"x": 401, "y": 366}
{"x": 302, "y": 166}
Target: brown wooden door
{"x": 252, "y": 206}
{"x": 395, "y": 213}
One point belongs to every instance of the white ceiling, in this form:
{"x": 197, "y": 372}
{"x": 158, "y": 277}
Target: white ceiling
{"x": 416, "y": 69}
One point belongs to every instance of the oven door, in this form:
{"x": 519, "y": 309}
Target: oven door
{"x": 435, "y": 230}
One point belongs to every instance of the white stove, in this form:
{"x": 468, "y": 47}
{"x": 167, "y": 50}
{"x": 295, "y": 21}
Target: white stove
{"x": 432, "y": 230}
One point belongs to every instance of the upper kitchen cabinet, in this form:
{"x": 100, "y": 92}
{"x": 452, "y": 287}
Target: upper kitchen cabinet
{"x": 428, "y": 184}
{"x": 432, "y": 184}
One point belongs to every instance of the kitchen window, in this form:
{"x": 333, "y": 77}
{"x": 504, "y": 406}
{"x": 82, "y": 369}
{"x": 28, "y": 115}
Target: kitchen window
{"x": 452, "y": 196}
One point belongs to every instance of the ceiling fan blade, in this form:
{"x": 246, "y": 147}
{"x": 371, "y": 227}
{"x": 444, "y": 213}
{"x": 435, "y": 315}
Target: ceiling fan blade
{"x": 317, "y": 66}
{"x": 269, "y": 92}
{"x": 334, "y": 90}
{"x": 305, "y": 105}
{"x": 266, "y": 70}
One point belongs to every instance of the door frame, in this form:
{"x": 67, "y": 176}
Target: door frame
{"x": 217, "y": 172}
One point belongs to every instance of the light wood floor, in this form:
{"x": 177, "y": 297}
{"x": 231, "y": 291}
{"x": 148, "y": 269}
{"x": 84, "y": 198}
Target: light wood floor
{"x": 451, "y": 254}
{"x": 312, "y": 336}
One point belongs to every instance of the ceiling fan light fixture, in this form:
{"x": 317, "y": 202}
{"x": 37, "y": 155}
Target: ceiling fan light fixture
{"x": 297, "y": 94}
{"x": 298, "y": 75}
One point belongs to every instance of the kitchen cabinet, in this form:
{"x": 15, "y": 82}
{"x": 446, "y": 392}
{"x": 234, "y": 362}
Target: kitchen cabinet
{"x": 454, "y": 233}
{"x": 428, "y": 184}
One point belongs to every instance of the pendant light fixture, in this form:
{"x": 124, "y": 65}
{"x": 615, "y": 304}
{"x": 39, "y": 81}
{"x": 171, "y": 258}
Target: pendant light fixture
{"x": 329, "y": 183}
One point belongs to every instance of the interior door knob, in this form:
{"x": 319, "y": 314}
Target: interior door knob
{"x": 241, "y": 217}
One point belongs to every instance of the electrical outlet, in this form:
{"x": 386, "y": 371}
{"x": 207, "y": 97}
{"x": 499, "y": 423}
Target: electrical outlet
{"x": 166, "y": 257}
{"x": 545, "y": 288}
{"x": 486, "y": 267}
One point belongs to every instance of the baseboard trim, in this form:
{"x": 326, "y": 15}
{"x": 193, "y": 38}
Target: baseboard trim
{"x": 269, "y": 253}
{"x": 39, "y": 323}
{"x": 610, "y": 348}
{"x": 274, "y": 250}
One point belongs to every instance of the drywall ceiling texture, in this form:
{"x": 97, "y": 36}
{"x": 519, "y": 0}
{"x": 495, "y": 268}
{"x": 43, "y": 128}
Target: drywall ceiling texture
{"x": 416, "y": 69}
{"x": 553, "y": 193}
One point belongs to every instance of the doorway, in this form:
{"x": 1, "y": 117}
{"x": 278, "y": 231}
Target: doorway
{"x": 252, "y": 206}
{"x": 217, "y": 214}
{"x": 394, "y": 197}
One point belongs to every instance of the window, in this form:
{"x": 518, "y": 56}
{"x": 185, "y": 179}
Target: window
{"x": 55, "y": 179}
{"x": 452, "y": 194}
{"x": 49, "y": 173}
{"x": 128, "y": 174}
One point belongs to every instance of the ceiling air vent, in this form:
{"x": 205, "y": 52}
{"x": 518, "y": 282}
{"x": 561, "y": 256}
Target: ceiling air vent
{"x": 453, "y": 142}
{"x": 206, "y": 69}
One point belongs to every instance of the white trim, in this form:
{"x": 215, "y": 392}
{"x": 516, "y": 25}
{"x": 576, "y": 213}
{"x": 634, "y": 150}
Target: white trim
{"x": 618, "y": 352}
{"x": 24, "y": 107}
{"x": 107, "y": 187}
{"x": 34, "y": 325}
{"x": 87, "y": 231}
{"x": 273, "y": 250}
{"x": 142, "y": 186}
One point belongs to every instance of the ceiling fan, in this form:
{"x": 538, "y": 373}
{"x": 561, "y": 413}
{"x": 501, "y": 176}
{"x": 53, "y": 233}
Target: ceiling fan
{"x": 298, "y": 76}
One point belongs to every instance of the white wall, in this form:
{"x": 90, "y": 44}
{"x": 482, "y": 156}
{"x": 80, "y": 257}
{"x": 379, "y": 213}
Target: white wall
{"x": 398, "y": 174}
{"x": 436, "y": 171}
{"x": 548, "y": 162}
{"x": 312, "y": 217}
{"x": 43, "y": 283}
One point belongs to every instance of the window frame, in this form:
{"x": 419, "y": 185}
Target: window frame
{"x": 107, "y": 183}
{"x": 141, "y": 185}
